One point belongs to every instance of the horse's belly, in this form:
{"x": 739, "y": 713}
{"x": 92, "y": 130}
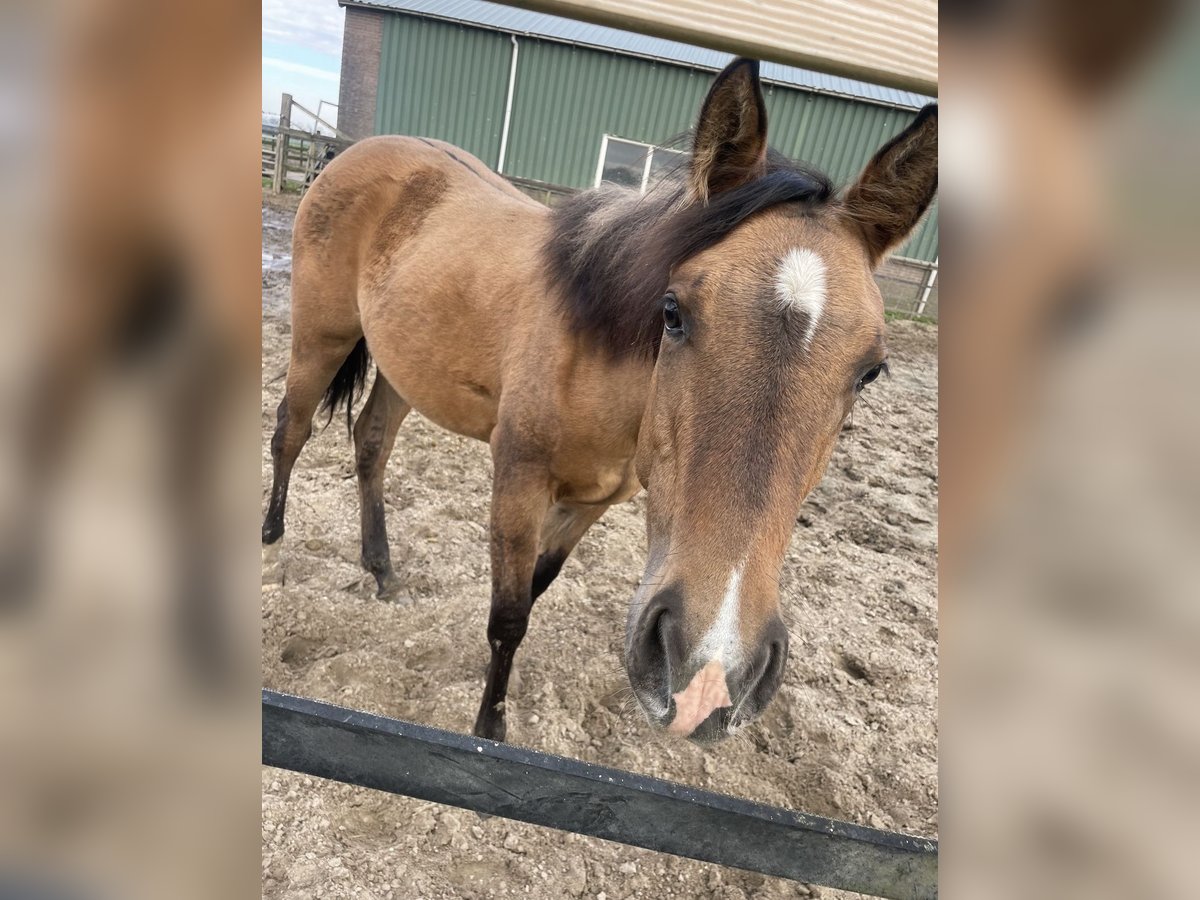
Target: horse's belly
{"x": 440, "y": 357}
{"x": 463, "y": 405}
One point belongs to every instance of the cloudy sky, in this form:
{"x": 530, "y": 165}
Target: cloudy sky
{"x": 301, "y": 52}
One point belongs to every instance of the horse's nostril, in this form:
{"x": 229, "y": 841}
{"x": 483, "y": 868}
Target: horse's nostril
{"x": 658, "y": 630}
{"x": 654, "y": 652}
{"x": 776, "y": 659}
{"x": 770, "y": 673}
{"x": 654, "y": 639}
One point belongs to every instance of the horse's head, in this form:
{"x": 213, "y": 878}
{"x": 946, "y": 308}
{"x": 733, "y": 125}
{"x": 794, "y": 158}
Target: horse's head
{"x": 770, "y": 332}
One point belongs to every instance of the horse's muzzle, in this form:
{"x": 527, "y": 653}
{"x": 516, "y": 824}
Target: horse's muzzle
{"x": 699, "y": 698}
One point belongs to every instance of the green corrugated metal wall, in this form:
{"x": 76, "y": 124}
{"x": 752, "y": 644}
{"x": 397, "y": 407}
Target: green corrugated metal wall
{"x": 839, "y": 136}
{"x": 447, "y": 81}
{"x": 568, "y": 98}
{"x": 443, "y": 81}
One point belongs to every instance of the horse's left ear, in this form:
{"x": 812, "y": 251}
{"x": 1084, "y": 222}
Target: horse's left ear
{"x": 730, "y": 148}
{"x": 897, "y": 186}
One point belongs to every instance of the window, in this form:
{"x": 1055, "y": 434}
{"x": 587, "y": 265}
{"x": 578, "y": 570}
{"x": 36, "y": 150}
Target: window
{"x": 635, "y": 165}
{"x": 664, "y": 162}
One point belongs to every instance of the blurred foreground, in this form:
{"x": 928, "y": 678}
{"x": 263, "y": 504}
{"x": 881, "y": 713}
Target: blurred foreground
{"x": 128, "y": 479}
{"x": 1070, "y": 439}
{"x": 129, "y": 487}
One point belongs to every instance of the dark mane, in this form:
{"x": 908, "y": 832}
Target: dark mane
{"x": 611, "y": 251}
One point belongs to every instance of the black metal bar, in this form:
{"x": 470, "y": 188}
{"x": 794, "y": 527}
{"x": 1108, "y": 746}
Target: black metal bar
{"x": 502, "y": 780}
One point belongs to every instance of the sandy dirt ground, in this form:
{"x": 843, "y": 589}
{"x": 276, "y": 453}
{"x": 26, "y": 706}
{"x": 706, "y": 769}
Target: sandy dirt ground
{"x": 852, "y": 733}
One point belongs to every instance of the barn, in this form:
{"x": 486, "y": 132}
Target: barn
{"x": 557, "y": 105}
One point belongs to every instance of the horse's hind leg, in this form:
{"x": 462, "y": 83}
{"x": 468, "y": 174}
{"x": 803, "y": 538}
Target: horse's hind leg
{"x": 374, "y": 436}
{"x": 310, "y": 372}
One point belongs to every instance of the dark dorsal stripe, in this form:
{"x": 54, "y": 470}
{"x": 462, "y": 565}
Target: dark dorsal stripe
{"x": 610, "y": 252}
{"x": 460, "y": 161}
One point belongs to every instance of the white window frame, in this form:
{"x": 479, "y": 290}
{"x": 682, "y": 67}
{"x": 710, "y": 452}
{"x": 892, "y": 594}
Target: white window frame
{"x": 650, "y": 148}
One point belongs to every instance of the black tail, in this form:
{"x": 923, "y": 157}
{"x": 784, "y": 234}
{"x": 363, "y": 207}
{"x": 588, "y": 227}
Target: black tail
{"x": 350, "y": 380}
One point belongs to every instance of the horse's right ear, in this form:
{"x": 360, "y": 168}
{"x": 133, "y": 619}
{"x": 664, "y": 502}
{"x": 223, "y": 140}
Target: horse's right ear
{"x": 730, "y": 148}
{"x": 897, "y": 186}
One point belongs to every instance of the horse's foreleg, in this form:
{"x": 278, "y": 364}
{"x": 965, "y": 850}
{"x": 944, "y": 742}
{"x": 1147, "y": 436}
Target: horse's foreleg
{"x": 519, "y": 500}
{"x": 374, "y": 436}
{"x": 564, "y": 526}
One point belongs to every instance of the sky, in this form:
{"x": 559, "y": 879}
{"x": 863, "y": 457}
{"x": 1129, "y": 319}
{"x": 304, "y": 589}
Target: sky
{"x": 301, "y": 52}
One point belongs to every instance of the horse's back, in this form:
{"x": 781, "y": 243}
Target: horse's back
{"x": 366, "y": 184}
{"x": 418, "y": 246}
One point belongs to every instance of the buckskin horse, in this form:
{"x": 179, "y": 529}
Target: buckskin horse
{"x": 705, "y": 342}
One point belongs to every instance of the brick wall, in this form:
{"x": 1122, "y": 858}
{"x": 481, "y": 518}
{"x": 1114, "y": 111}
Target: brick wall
{"x": 361, "y": 44}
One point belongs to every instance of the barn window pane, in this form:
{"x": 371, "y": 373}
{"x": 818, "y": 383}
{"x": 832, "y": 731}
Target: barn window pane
{"x": 664, "y": 163}
{"x": 624, "y": 163}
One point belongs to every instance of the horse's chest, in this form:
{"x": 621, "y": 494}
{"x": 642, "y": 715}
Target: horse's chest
{"x": 595, "y": 482}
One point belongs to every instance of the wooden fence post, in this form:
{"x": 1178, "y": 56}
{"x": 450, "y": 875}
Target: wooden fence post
{"x": 281, "y": 144}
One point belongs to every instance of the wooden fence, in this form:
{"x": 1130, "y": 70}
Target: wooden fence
{"x": 291, "y": 156}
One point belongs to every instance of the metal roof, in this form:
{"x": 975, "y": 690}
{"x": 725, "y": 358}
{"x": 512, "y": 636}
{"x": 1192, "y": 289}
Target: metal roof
{"x": 499, "y": 17}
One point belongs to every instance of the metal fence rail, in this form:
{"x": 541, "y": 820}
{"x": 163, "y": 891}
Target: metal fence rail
{"x": 502, "y": 780}
{"x": 909, "y": 286}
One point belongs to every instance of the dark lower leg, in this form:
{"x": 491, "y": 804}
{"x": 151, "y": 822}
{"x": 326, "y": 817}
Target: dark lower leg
{"x": 564, "y": 526}
{"x": 309, "y": 373}
{"x": 374, "y": 437}
{"x": 549, "y": 564}
{"x": 518, "y": 507}
{"x": 504, "y": 636}
{"x": 289, "y": 437}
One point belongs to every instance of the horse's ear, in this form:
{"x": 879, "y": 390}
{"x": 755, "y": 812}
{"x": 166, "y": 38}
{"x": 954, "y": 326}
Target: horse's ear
{"x": 731, "y": 137}
{"x": 897, "y": 186}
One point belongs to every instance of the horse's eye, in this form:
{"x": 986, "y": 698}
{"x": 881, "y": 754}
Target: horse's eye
{"x": 870, "y": 376}
{"x": 672, "y": 321}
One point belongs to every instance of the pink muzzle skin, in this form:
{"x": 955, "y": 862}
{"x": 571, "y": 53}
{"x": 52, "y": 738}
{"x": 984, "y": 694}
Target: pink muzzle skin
{"x": 705, "y": 692}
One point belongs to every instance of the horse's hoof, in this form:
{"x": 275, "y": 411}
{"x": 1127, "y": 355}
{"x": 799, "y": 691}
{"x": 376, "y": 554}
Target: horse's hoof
{"x": 493, "y": 729}
{"x": 390, "y": 590}
{"x": 272, "y": 531}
